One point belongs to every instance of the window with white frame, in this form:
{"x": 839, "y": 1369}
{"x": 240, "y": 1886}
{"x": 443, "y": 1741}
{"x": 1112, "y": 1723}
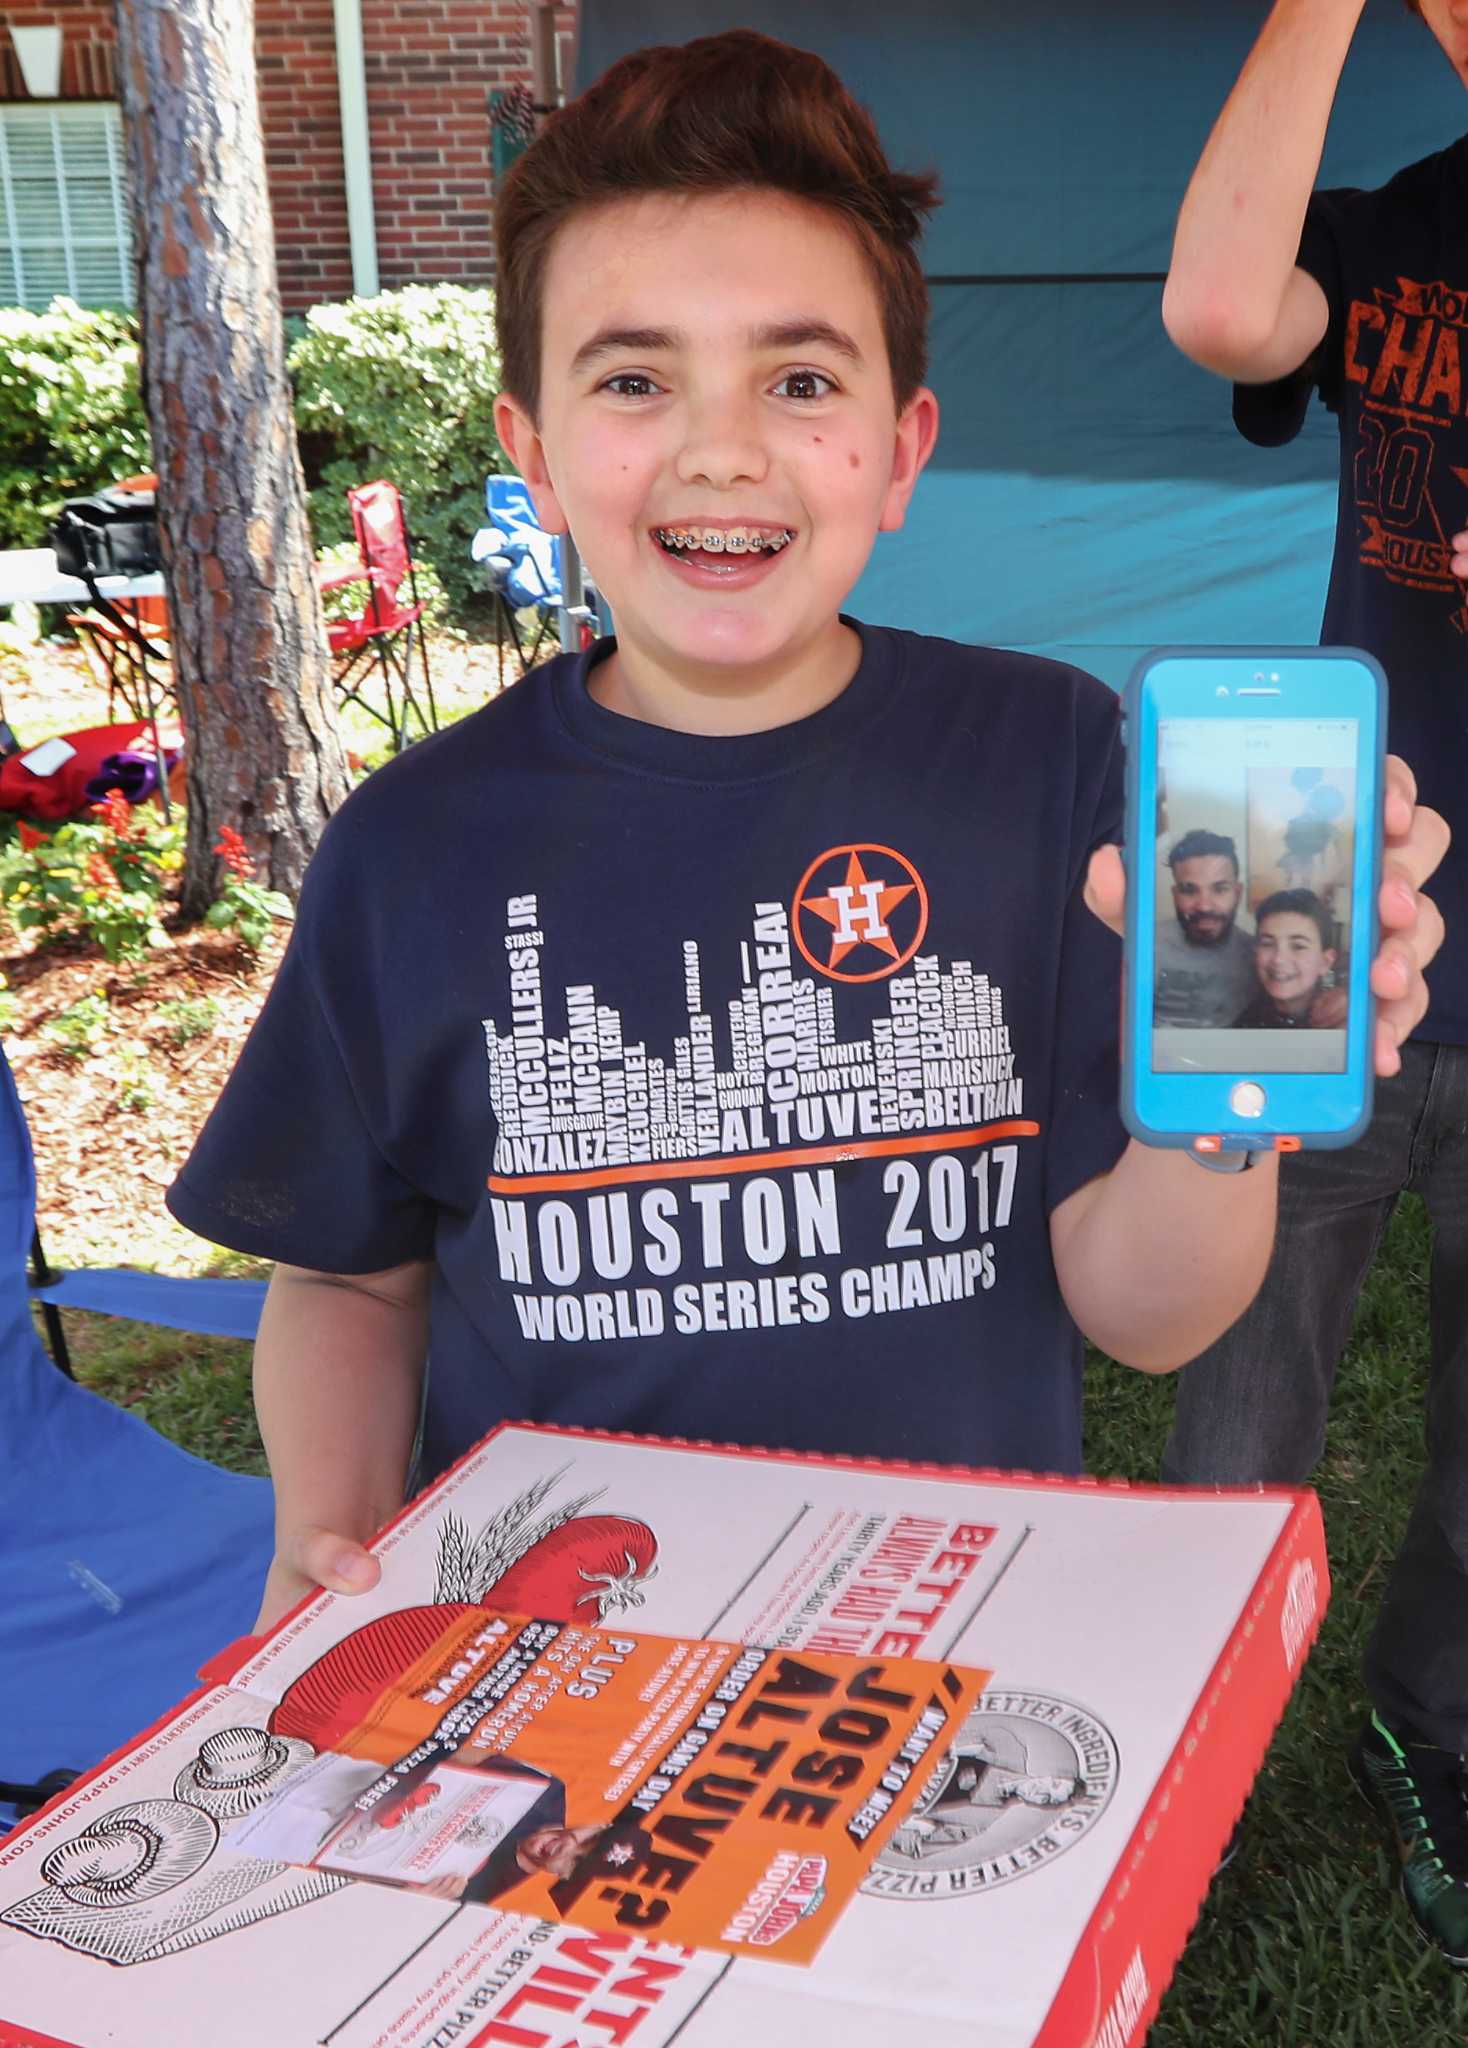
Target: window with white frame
{"x": 63, "y": 206}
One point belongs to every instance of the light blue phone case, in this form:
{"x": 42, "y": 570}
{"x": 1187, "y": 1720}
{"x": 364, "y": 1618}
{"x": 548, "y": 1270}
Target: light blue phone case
{"x": 1233, "y": 685}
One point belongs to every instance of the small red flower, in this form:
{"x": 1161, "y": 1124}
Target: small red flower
{"x": 233, "y": 851}
{"x": 116, "y": 811}
{"x": 100, "y": 875}
{"x": 29, "y": 836}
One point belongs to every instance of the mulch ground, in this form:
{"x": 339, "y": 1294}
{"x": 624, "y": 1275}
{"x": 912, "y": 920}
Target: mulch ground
{"x": 111, "y": 1128}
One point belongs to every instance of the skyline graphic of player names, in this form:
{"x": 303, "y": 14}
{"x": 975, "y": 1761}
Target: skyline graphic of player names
{"x": 764, "y": 1071}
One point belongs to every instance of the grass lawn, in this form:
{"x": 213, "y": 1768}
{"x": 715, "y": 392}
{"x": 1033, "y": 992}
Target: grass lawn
{"x": 1298, "y": 1943}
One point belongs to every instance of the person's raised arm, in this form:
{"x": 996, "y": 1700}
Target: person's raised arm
{"x": 338, "y": 1370}
{"x": 1235, "y": 299}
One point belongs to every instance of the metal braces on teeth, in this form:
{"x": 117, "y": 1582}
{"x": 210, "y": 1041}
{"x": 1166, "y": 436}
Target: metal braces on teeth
{"x": 713, "y": 540}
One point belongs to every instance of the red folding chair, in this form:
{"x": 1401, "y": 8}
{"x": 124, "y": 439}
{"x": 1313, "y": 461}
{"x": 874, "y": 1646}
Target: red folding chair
{"x": 380, "y": 649}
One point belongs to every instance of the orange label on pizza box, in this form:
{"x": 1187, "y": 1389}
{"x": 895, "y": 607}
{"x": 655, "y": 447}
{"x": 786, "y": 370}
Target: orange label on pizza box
{"x": 710, "y": 1794}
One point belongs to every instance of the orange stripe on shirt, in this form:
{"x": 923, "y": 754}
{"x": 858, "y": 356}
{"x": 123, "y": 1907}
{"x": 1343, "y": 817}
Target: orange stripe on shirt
{"x": 760, "y": 1162}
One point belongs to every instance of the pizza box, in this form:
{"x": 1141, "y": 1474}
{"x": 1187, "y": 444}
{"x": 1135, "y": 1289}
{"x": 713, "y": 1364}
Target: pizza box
{"x": 1138, "y": 1645}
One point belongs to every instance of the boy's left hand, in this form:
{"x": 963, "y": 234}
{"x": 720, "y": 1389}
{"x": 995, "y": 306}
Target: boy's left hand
{"x": 1416, "y": 839}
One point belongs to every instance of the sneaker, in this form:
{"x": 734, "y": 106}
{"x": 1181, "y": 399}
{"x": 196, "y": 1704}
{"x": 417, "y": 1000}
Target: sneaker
{"x": 1419, "y": 1792}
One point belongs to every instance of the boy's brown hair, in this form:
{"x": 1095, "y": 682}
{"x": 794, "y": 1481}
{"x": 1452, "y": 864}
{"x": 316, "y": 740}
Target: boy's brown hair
{"x": 712, "y": 116}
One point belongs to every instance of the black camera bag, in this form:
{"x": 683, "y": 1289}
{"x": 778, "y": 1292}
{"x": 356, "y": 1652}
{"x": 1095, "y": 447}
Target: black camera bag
{"x": 114, "y": 533}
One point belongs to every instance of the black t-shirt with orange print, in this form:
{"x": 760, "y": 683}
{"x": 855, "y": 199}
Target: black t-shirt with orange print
{"x": 1394, "y": 369}
{"x": 730, "y": 1083}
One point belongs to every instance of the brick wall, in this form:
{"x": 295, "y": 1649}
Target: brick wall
{"x": 430, "y": 65}
{"x": 300, "y": 119}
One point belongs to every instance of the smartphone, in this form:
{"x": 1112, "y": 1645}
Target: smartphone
{"x": 1253, "y": 851}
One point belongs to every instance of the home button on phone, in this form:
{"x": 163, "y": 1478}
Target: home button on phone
{"x": 1246, "y": 1098}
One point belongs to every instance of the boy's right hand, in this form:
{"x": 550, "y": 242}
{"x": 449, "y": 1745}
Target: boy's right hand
{"x": 308, "y": 1559}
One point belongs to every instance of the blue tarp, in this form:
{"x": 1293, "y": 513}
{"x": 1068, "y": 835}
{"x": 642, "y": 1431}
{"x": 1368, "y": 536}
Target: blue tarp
{"x": 1089, "y": 496}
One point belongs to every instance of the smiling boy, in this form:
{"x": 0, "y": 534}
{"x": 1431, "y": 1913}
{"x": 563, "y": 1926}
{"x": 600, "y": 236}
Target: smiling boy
{"x": 712, "y": 1036}
{"x": 724, "y": 407}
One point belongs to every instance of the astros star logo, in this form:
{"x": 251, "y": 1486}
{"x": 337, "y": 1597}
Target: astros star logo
{"x": 862, "y": 900}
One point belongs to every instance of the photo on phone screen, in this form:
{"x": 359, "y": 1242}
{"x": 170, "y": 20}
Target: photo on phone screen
{"x": 1256, "y": 843}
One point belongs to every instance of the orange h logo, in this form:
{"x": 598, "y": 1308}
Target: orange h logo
{"x": 845, "y": 904}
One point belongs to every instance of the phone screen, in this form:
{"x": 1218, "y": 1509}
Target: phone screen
{"x": 1256, "y": 846}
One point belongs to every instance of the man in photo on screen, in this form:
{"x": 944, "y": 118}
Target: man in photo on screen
{"x": 1205, "y": 963}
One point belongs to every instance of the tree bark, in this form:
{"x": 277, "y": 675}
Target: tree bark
{"x": 249, "y": 645}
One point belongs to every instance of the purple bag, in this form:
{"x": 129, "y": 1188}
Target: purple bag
{"x": 136, "y": 775}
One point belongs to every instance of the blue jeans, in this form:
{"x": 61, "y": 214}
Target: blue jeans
{"x": 1253, "y": 1406}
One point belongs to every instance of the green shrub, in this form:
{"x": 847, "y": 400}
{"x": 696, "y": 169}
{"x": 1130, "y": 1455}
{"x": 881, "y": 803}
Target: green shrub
{"x": 81, "y": 1027}
{"x": 243, "y": 906}
{"x": 40, "y": 884}
{"x": 123, "y": 922}
{"x": 403, "y": 386}
{"x": 71, "y": 416}
{"x": 104, "y": 878}
{"x": 247, "y": 909}
{"x": 186, "y": 1018}
{"x": 136, "y": 1081}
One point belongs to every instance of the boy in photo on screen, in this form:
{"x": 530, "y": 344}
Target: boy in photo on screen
{"x": 1351, "y": 293}
{"x": 1295, "y": 955}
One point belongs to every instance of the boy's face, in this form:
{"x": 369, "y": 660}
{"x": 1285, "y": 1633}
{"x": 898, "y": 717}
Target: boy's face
{"x": 714, "y": 367}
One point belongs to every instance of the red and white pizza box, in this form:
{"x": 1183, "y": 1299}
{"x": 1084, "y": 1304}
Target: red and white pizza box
{"x": 1142, "y": 1643}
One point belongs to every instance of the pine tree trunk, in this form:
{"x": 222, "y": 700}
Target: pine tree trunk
{"x": 249, "y": 646}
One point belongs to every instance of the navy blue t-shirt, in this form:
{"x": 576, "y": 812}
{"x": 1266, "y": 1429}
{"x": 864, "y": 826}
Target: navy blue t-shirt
{"x": 1393, "y": 265}
{"x": 729, "y": 1082}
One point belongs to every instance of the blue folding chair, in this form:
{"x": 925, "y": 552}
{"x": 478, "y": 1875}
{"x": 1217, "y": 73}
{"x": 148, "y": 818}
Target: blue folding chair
{"x": 525, "y": 568}
{"x": 125, "y": 1562}
{"x": 210, "y": 1308}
